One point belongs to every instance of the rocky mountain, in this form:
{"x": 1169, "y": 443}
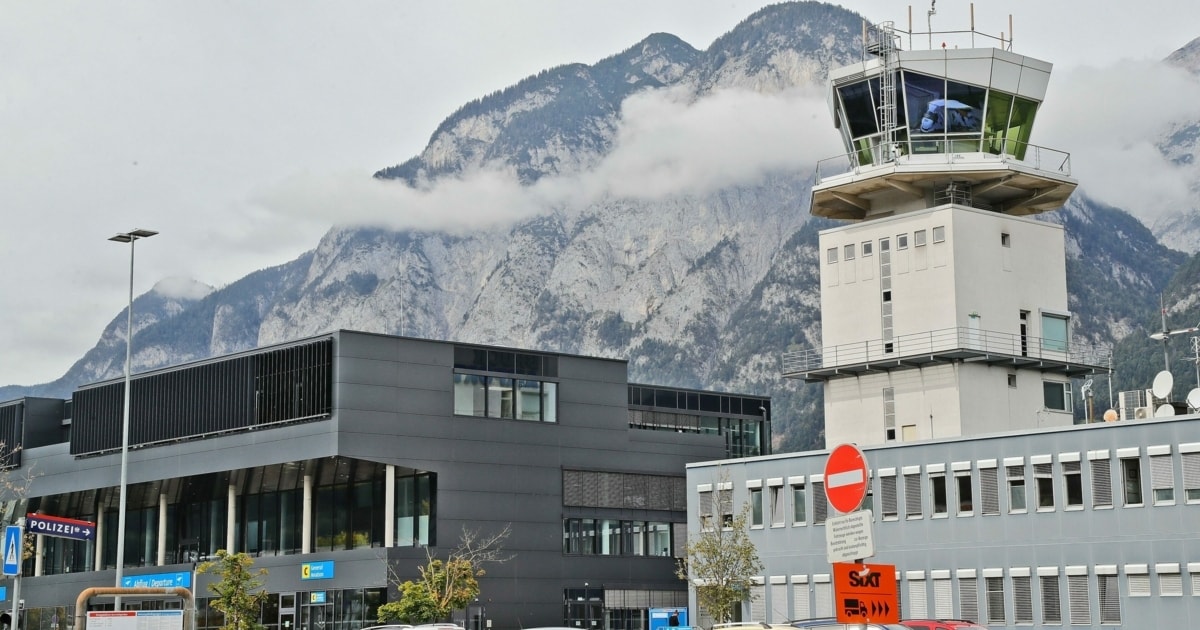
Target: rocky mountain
{"x": 702, "y": 290}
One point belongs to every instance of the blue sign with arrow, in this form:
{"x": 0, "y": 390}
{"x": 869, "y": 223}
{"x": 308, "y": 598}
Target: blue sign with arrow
{"x": 12, "y": 550}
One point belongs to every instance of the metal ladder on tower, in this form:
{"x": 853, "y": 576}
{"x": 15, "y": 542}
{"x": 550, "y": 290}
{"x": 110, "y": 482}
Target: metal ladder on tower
{"x": 885, "y": 46}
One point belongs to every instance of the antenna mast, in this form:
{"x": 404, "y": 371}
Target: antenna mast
{"x": 929, "y": 20}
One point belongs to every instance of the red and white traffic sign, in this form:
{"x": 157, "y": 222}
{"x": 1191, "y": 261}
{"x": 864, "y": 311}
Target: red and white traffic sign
{"x": 846, "y": 478}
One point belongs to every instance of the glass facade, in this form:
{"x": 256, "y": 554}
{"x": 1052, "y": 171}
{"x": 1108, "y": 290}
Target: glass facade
{"x": 935, "y": 115}
{"x": 347, "y": 513}
{"x": 615, "y": 537}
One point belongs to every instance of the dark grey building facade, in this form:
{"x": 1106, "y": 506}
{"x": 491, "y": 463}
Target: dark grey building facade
{"x": 342, "y": 460}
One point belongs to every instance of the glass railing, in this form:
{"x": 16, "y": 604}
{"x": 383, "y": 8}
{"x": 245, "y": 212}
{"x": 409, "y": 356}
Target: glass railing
{"x": 946, "y": 340}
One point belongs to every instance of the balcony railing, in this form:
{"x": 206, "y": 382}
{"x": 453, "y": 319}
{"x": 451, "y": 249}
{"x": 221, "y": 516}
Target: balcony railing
{"x": 946, "y": 149}
{"x": 949, "y": 344}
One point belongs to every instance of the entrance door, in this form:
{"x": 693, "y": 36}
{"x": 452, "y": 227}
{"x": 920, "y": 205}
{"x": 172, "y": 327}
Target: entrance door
{"x": 316, "y": 617}
{"x": 287, "y": 611}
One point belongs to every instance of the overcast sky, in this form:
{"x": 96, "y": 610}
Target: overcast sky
{"x": 242, "y": 130}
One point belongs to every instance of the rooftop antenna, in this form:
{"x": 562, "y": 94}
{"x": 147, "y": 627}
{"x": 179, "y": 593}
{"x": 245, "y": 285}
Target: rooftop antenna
{"x": 929, "y": 20}
{"x": 1166, "y": 333}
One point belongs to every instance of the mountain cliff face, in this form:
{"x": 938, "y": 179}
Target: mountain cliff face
{"x": 700, "y": 290}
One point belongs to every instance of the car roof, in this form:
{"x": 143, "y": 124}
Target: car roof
{"x": 949, "y": 623}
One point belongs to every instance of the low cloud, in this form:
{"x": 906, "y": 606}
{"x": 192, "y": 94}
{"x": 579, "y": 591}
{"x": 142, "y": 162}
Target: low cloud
{"x": 667, "y": 143}
{"x": 1110, "y": 120}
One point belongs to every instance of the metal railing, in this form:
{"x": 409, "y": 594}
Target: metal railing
{"x": 945, "y": 149}
{"x": 979, "y": 342}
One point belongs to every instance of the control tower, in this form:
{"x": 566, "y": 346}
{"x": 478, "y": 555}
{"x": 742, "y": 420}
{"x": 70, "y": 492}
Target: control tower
{"x": 943, "y": 300}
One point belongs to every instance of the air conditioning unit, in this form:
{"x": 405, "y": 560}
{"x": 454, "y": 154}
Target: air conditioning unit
{"x": 1128, "y": 402}
{"x": 1143, "y": 413}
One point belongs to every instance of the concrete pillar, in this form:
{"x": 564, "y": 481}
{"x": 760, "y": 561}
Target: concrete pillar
{"x": 37, "y": 555}
{"x": 231, "y": 520}
{"x": 162, "y": 529}
{"x": 389, "y": 505}
{"x": 99, "y": 565}
{"x": 306, "y": 517}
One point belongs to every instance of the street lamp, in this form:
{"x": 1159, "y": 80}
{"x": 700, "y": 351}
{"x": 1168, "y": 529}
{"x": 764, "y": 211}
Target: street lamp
{"x": 126, "y": 237}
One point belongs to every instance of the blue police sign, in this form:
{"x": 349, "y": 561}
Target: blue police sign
{"x": 60, "y": 527}
{"x": 12, "y": 550}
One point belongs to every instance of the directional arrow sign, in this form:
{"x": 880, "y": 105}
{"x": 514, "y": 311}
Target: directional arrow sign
{"x": 60, "y": 526}
{"x": 865, "y": 593}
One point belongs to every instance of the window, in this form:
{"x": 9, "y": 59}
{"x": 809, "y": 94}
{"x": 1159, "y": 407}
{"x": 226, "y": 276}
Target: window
{"x": 995, "y": 600}
{"x": 917, "y": 598}
{"x": 706, "y": 510}
{"x": 1016, "y": 488}
{"x": 1055, "y": 331}
{"x": 1057, "y": 396}
{"x": 937, "y": 486}
{"x": 1170, "y": 582}
{"x": 1131, "y": 481}
{"x": 1005, "y": 240}
{"x": 1191, "y": 474}
{"x": 1077, "y": 600}
{"x": 1110, "y": 599}
{"x": 1022, "y": 600}
{"x": 820, "y": 503}
{"x": 889, "y": 414}
{"x": 799, "y": 504}
{"x": 1139, "y": 581}
{"x": 831, "y": 255}
{"x": 901, "y": 241}
{"x": 867, "y": 248}
{"x": 968, "y": 598}
{"x": 989, "y": 495}
{"x": 1101, "y": 483}
{"x": 939, "y": 234}
{"x": 887, "y": 492}
{"x": 1162, "y": 479}
{"x": 1012, "y": 381}
{"x": 778, "y": 509}
{"x": 848, "y": 252}
{"x": 756, "y": 507}
{"x": 1044, "y": 479}
{"x": 912, "y": 496}
{"x": 962, "y": 482}
{"x": 611, "y": 537}
{"x": 919, "y": 238}
{"x": 1051, "y": 600}
{"x": 504, "y": 397}
{"x": 725, "y": 497}
{"x": 1073, "y": 484}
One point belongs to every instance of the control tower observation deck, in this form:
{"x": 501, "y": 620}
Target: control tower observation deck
{"x": 944, "y": 305}
{"x": 951, "y": 122}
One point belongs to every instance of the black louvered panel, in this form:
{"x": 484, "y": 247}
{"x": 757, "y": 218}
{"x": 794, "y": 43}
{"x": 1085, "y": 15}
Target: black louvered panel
{"x": 574, "y": 487}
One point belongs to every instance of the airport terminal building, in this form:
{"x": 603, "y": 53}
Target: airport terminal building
{"x": 343, "y": 459}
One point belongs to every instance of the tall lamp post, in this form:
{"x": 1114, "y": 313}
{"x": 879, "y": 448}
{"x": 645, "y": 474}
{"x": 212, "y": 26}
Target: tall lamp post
{"x": 130, "y": 237}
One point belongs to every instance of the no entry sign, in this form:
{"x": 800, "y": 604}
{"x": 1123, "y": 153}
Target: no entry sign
{"x": 846, "y": 478}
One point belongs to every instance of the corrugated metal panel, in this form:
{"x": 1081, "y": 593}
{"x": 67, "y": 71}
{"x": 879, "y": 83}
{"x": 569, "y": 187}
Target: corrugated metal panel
{"x": 943, "y": 599}
{"x": 779, "y": 604}
{"x": 800, "y": 604}
{"x": 824, "y": 596}
{"x": 758, "y": 602}
{"x": 918, "y": 606}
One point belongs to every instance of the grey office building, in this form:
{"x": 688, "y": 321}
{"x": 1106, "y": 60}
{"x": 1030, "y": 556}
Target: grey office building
{"x": 1088, "y": 526}
{"x": 341, "y": 460}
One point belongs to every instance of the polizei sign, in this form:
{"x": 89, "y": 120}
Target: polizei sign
{"x": 60, "y": 527}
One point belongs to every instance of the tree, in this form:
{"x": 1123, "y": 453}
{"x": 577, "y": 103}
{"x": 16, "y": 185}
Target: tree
{"x": 239, "y": 591}
{"x": 721, "y": 560}
{"x": 445, "y": 585}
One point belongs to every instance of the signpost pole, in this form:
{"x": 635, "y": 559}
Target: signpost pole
{"x": 14, "y": 542}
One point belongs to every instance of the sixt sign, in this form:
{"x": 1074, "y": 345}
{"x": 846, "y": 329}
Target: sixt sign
{"x": 60, "y": 527}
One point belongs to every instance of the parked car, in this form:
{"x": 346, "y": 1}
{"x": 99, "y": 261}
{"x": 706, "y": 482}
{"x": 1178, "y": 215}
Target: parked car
{"x": 941, "y": 624}
{"x": 390, "y": 626}
{"x": 830, "y": 623}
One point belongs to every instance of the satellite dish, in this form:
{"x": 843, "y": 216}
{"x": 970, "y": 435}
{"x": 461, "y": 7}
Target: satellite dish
{"x": 1163, "y": 382}
{"x": 1164, "y": 411}
{"x": 1193, "y": 398}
